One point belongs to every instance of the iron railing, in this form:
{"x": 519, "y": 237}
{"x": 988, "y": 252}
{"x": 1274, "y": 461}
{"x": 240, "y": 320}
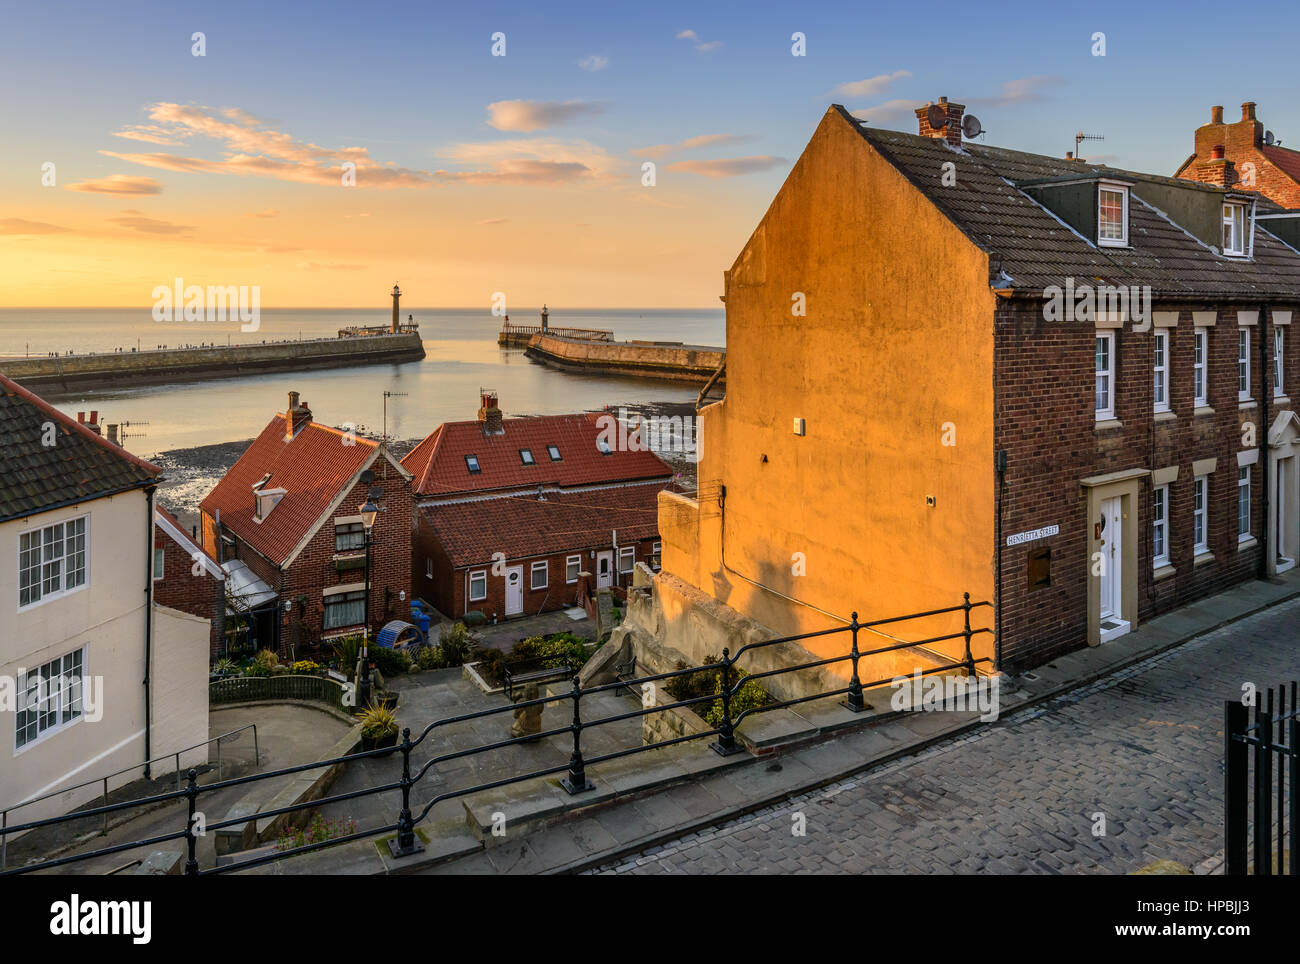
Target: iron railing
{"x": 575, "y": 771}
{"x": 106, "y": 810}
{"x": 1252, "y": 785}
{"x": 238, "y": 689}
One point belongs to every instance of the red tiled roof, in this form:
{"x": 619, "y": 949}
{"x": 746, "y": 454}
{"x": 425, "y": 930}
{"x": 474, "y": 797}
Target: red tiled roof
{"x": 313, "y": 468}
{"x": 439, "y": 466}
{"x": 1285, "y": 158}
{"x": 523, "y": 526}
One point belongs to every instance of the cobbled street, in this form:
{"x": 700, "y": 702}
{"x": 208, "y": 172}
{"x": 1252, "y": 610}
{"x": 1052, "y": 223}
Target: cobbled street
{"x": 1140, "y": 749}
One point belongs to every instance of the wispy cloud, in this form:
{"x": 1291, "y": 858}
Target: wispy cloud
{"x": 268, "y": 213}
{"x": 593, "y": 63}
{"x": 691, "y": 143}
{"x": 136, "y": 221}
{"x": 526, "y": 116}
{"x": 889, "y": 112}
{"x": 701, "y": 45}
{"x": 23, "y": 226}
{"x": 1020, "y": 91}
{"x": 871, "y": 87}
{"x": 528, "y": 160}
{"x": 493, "y": 221}
{"x": 730, "y": 166}
{"x": 122, "y": 185}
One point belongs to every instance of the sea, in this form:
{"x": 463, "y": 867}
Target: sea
{"x": 462, "y": 357}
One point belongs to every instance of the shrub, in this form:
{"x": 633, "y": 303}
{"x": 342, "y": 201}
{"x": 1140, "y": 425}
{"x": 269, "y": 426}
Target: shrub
{"x": 429, "y": 657}
{"x": 708, "y": 682}
{"x": 320, "y": 828}
{"x": 551, "y": 652}
{"x": 457, "y": 642}
{"x": 346, "y": 651}
{"x": 377, "y": 721}
{"x": 306, "y": 666}
{"x": 391, "y": 662}
{"x": 491, "y": 663}
{"x": 266, "y": 659}
{"x": 224, "y": 666}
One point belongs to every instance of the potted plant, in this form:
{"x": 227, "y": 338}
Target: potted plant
{"x": 378, "y": 727}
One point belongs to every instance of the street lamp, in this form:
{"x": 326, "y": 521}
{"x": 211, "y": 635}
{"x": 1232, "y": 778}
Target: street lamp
{"x": 369, "y": 512}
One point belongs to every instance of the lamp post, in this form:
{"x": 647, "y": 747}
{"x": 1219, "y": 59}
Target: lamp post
{"x": 369, "y": 512}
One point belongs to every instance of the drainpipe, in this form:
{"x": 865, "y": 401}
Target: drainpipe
{"x": 148, "y": 631}
{"x": 1000, "y": 464}
{"x": 1265, "y": 393}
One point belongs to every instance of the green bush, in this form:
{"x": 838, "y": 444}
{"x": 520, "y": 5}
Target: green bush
{"x": 551, "y": 652}
{"x": 391, "y": 662}
{"x": 346, "y": 651}
{"x": 430, "y": 657}
{"x": 708, "y": 682}
{"x": 491, "y": 663}
{"x": 456, "y": 642}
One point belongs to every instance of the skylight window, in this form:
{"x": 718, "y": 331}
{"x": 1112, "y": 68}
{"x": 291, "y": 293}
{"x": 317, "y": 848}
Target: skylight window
{"x": 554, "y": 453}
{"x": 1234, "y": 229}
{"x": 1112, "y": 216}
{"x": 471, "y": 462}
{"x": 526, "y": 456}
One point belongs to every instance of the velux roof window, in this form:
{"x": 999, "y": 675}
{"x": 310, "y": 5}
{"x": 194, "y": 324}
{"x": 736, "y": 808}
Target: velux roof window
{"x": 471, "y": 462}
{"x": 1112, "y": 215}
{"x": 526, "y": 456}
{"x": 554, "y": 452}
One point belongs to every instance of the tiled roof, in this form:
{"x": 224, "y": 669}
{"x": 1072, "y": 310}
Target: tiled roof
{"x": 439, "y": 462}
{"x": 80, "y": 465}
{"x": 171, "y": 526}
{"x": 1285, "y": 158}
{"x": 524, "y": 526}
{"x": 1037, "y": 250}
{"x": 313, "y": 469}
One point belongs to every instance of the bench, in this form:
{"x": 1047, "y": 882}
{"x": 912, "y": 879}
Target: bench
{"x": 513, "y": 676}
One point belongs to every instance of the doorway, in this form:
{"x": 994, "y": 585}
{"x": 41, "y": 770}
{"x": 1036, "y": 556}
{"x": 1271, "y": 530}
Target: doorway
{"x": 1110, "y": 594}
{"x": 604, "y": 569}
{"x": 514, "y": 590}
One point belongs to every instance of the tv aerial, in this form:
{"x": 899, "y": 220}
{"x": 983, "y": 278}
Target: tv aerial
{"x": 1080, "y": 137}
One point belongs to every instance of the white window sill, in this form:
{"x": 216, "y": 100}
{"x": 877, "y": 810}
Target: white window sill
{"x": 1203, "y": 410}
{"x": 1108, "y": 422}
{"x": 1163, "y": 571}
{"x": 1245, "y": 403}
{"x": 1246, "y": 542}
{"x": 1165, "y": 415}
{"x": 1281, "y": 400}
{"x": 1203, "y": 557}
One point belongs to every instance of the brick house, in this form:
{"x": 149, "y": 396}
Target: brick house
{"x": 286, "y": 525}
{"x": 956, "y": 410}
{"x": 187, "y": 578}
{"x": 1244, "y": 156}
{"x": 511, "y": 511}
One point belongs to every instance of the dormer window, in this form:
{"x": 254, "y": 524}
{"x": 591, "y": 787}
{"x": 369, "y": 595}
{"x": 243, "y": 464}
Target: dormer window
{"x": 1112, "y": 216}
{"x": 471, "y": 463}
{"x": 553, "y": 452}
{"x": 526, "y": 457}
{"x": 266, "y": 500}
{"x": 1234, "y": 229}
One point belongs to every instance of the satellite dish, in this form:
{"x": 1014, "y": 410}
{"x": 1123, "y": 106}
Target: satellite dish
{"x": 937, "y": 116}
{"x": 1268, "y": 138}
{"x": 971, "y": 127}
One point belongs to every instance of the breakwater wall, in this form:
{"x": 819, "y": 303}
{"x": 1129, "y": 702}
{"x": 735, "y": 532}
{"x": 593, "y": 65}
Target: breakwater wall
{"x": 71, "y": 373}
{"x": 647, "y": 359}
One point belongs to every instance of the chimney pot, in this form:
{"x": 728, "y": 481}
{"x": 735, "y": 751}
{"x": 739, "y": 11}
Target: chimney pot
{"x": 1248, "y": 110}
{"x": 81, "y": 418}
{"x": 296, "y": 417}
{"x": 1217, "y": 152}
{"x": 1216, "y": 115}
{"x": 1069, "y": 155}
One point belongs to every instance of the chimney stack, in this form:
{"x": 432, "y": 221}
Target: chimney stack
{"x": 489, "y": 414}
{"x": 296, "y": 417}
{"x": 397, "y": 325}
{"x": 945, "y": 122}
{"x": 112, "y": 433}
{"x": 1248, "y": 111}
{"x": 1216, "y": 115}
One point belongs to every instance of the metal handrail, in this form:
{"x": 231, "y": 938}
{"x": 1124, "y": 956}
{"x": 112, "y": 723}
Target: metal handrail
{"x": 106, "y": 809}
{"x": 575, "y": 780}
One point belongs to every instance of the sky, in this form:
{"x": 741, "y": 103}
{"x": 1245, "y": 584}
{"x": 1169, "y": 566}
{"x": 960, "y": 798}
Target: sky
{"x": 129, "y": 161}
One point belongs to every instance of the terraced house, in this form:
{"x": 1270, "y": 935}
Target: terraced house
{"x": 1062, "y": 387}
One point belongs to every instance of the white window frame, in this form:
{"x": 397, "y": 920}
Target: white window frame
{"x": 656, "y": 555}
{"x": 1160, "y": 370}
{"x": 1243, "y": 364}
{"x": 544, "y": 567}
{"x": 159, "y": 563}
{"x": 1104, "y": 188}
{"x": 60, "y": 704}
{"x": 481, "y": 573}
{"x": 626, "y": 552}
{"x": 1201, "y": 514}
{"x": 1160, "y": 526}
{"x": 1234, "y": 229}
{"x": 526, "y": 457}
{"x": 1201, "y": 368}
{"x": 52, "y": 576}
{"x": 572, "y": 564}
{"x": 347, "y": 532}
{"x": 1107, "y": 411}
{"x": 1243, "y": 502}
{"x": 350, "y": 604}
{"x": 1279, "y": 358}
{"x": 554, "y": 452}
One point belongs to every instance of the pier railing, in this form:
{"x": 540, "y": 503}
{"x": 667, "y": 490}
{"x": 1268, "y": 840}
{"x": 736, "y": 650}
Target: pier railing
{"x": 403, "y": 840}
{"x": 520, "y": 334}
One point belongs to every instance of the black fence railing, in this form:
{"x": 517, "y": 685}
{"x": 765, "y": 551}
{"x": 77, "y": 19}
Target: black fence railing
{"x": 239, "y": 689}
{"x": 405, "y": 842}
{"x": 1261, "y": 770}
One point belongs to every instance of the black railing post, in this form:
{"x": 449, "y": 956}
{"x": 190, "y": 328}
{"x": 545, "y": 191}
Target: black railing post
{"x": 1294, "y": 806}
{"x": 1263, "y": 735}
{"x": 1236, "y": 774}
{"x": 404, "y": 844}
{"x": 970, "y": 660}
{"x": 854, "y": 700}
{"x": 725, "y": 744}
{"x": 576, "y": 780}
{"x": 192, "y": 794}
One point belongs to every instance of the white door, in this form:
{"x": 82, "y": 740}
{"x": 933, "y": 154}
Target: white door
{"x": 1281, "y": 493}
{"x": 604, "y": 569}
{"x": 1111, "y": 595}
{"x": 514, "y": 590}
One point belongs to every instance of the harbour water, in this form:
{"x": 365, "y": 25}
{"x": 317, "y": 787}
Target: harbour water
{"x": 461, "y": 357}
